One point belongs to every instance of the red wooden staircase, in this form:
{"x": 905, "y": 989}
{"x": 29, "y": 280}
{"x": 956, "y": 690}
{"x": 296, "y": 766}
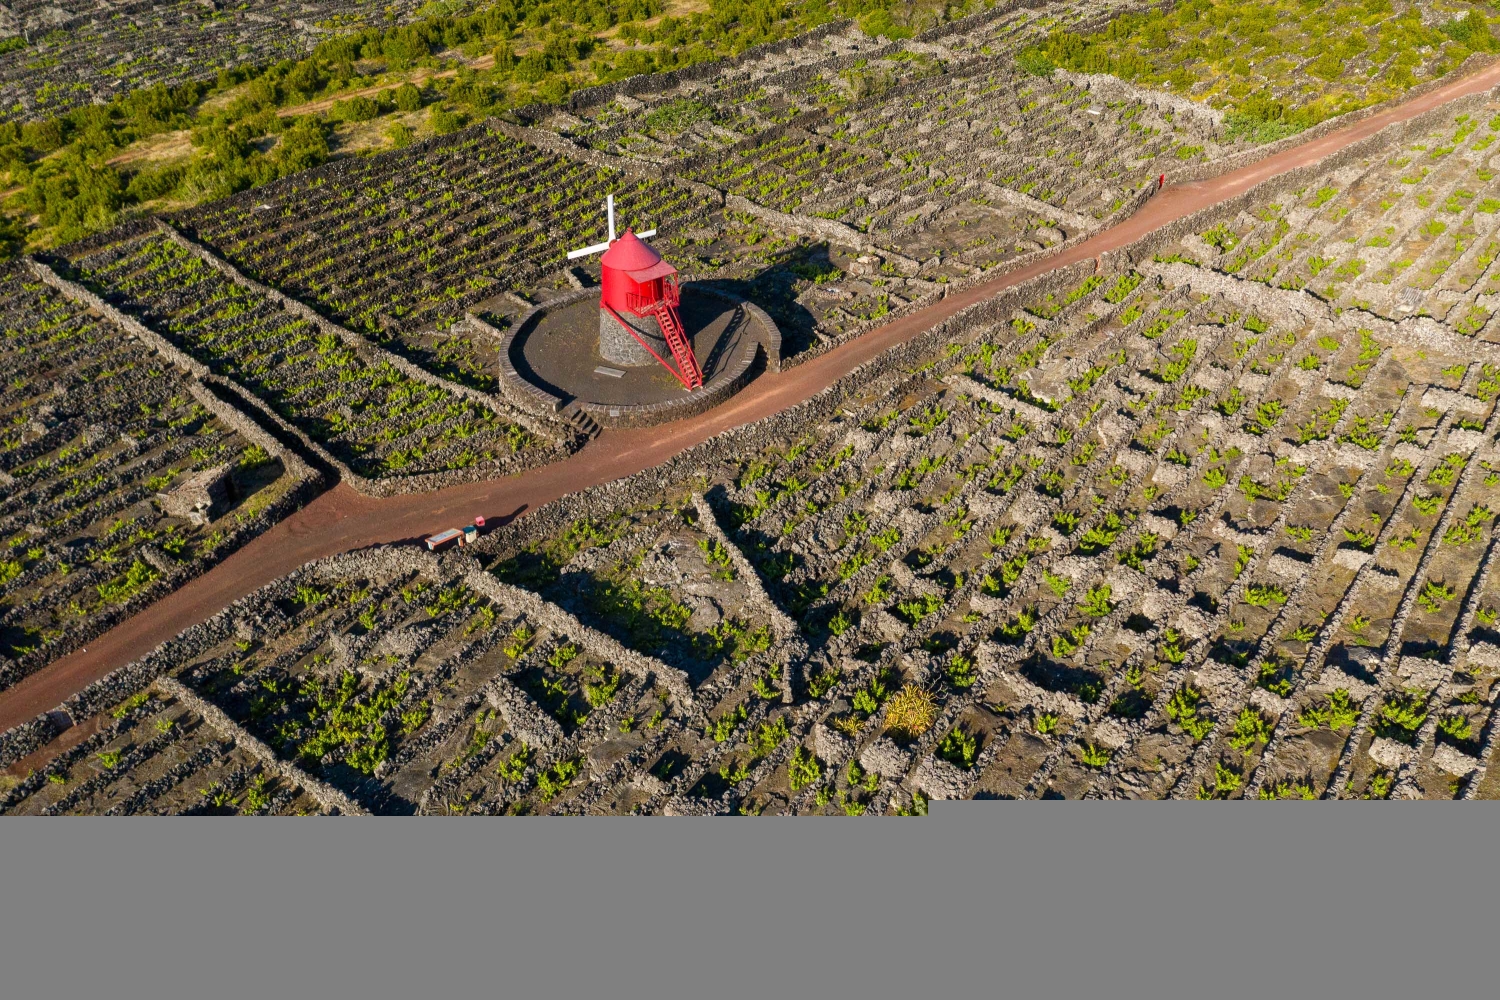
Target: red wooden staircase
{"x": 682, "y": 351}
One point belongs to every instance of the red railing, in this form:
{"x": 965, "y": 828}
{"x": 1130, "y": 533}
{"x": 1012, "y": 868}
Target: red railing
{"x": 645, "y": 305}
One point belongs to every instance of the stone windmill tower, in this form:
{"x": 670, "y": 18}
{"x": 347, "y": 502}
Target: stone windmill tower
{"x": 638, "y": 319}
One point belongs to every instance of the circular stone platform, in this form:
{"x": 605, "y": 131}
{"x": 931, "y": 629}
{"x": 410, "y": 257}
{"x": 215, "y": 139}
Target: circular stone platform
{"x": 552, "y": 358}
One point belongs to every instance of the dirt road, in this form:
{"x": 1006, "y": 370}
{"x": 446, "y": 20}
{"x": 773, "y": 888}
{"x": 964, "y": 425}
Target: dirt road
{"x": 341, "y": 520}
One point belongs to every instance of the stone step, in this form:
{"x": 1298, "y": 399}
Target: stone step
{"x": 577, "y": 417}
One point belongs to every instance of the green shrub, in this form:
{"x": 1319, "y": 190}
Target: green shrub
{"x": 1182, "y": 709}
{"x": 803, "y": 769}
{"x": 1250, "y": 728}
{"x": 1457, "y": 726}
{"x": 676, "y": 117}
{"x": 407, "y": 97}
{"x": 1226, "y": 782}
{"x": 555, "y": 779}
{"x": 1434, "y": 594}
{"x": 960, "y": 672}
{"x": 768, "y": 736}
{"x": 1093, "y": 756}
{"x": 1264, "y": 595}
{"x": 724, "y": 726}
{"x": 356, "y": 109}
{"x": 1096, "y": 602}
{"x": 400, "y": 135}
{"x": 1035, "y": 62}
{"x": 1337, "y": 713}
{"x": 443, "y": 122}
{"x": 959, "y": 749}
{"x": 1401, "y": 715}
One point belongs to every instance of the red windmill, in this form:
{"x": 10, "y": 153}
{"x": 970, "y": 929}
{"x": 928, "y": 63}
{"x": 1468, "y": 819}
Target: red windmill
{"x": 638, "y": 319}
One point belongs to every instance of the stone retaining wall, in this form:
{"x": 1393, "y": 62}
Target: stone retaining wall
{"x": 518, "y": 389}
{"x": 787, "y": 633}
{"x": 253, "y": 432}
{"x": 332, "y": 799}
{"x": 515, "y": 388}
{"x": 1161, "y": 100}
{"x": 27, "y": 738}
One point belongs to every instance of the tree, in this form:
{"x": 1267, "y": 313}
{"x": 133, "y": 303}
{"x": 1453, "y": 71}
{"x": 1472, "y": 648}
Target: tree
{"x": 304, "y": 80}
{"x": 408, "y": 98}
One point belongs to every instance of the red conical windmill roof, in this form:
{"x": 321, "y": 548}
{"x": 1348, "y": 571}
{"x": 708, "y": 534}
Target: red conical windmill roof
{"x": 628, "y": 253}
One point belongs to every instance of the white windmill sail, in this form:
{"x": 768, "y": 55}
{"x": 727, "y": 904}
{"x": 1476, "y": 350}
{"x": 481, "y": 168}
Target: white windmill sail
{"x": 609, "y": 211}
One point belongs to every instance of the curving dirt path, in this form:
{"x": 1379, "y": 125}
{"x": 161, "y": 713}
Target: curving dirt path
{"x": 340, "y": 519}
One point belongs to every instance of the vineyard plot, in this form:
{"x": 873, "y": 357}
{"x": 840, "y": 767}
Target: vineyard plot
{"x": 380, "y": 422}
{"x": 1211, "y": 519}
{"x": 932, "y": 149}
{"x": 387, "y": 681}
{"x": 656, "y": 582}
{"x": 155, "y": 756}
{"x": 743, "y": 99}
{"x": 869, "y": 185}
{"x": 1298, "y": 64}
{"x": 1407, "y": 234}
{"x": 936, "y": 173}
{"x": 99, "y": 435}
